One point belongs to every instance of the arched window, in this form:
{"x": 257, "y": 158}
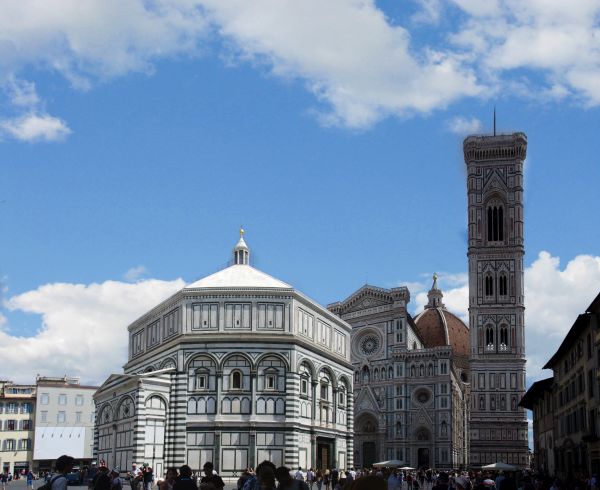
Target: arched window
{"x": 236, "y": 380}
{"x": 324, "y": 391}
{"x": 495, "y": 222}
{"x": 398, "y": 428}
{"x": 489, "y": 285}
{"x": 422, "y": 370}
{"x": 489, "y": 336}
{"x": 503, "y": 337}
{"x": 444, "y": 429}
{"x": 413, "y": 371}
{"x": 481, "y": 402}
{"x": 503, "y": 285}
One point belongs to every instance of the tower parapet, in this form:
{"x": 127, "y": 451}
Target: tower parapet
{"x": 481, "y": 148}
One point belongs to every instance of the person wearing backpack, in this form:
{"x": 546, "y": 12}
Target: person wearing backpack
{"x": 63, "y": 465}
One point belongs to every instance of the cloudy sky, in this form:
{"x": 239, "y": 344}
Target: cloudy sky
{"x": 136, "y": 136}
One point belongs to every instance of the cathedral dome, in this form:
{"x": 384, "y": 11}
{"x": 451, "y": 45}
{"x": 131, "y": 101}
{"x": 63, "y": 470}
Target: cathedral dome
{"x": 436, "y": 326}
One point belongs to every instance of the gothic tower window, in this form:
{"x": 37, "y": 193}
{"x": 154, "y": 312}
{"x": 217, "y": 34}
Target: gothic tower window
{"x": 503, "y": 285}
{"x": 398, "y": 429}
{"x": 481, "y": 402}
{"x": 489, "y": 337}
{"x": 503, "y": 337}
{"x": 495, "y": 222}
{"x": 444, "y": 429}
{"x": 413, "y": 371}
{"x": 489, "y": 285}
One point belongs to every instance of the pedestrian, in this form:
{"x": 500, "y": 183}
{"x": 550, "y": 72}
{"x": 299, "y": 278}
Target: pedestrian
{"x": 63, "y": 465}
{"x": 319, "y": 479}
{"x": 443, "y": 482}
{"x": 286, "y": 482}
{"x": 134, "y": 476}
{"x": 3, "y": 480}
{"x": 369, "y": 482}
{"x": 91, "y": 475}
{"x": 310, "y": 478}
{"x": 266, "y": 478}
{"x": 327, "y": 479}
{"x": 169, "y": 481}
{"x": 116, "y": 483}
{"x": 210, "y": 480}
{"x": 147, "y": 477}
{"x": 30, "y": 479}
{"x": 102, "y": 480}
{"x": 184, "y": 480}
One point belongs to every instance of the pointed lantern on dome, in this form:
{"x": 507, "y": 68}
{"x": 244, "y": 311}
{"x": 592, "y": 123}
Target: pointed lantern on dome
{"x": 435, "y": 295}
{"x": 241, "y": 252}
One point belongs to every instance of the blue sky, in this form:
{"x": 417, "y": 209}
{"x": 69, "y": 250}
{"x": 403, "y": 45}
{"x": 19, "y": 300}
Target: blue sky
{"x": 133, "y": 150}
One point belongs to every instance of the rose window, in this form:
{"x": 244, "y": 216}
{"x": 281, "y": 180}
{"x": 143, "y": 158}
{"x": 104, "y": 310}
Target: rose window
{"x": 369, "y": 344}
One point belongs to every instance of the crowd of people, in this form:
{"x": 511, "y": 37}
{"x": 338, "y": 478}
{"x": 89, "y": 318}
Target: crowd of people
{"x": 267, "y": 476}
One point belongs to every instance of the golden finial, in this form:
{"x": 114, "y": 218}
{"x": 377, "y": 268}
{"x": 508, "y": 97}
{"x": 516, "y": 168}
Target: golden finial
{"x": 242, "y": 232}
{"x": 435, "y": 278}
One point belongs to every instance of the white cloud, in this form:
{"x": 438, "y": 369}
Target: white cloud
{"x": 348, "y": 54}
{"x": 83, "y": 331}
{"x": 21, "y": 92}
{"x": 135, "y": 273}
{"x": 35, "y": 127}
{"x": 553, "y": 299}
{"x": 554, "y": 40}
{"x": 360, "y": 65}
{"x": 462, "y": 126}
{"x": 429, "y": 13}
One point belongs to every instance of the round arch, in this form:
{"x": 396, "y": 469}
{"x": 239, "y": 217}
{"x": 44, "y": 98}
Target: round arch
{"x": 200, "y": 356}
{"x": 311, "y": 367}
{"x": 273, "y": 354}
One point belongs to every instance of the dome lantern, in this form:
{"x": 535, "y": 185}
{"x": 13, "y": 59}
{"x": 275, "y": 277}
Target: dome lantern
{"x": 241, "y": 252}
{"x": 435, "y": 295}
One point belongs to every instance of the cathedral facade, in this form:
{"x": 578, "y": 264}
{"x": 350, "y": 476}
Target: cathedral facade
{"x": 235, "y": 368}
{"x": 411, "y": 379}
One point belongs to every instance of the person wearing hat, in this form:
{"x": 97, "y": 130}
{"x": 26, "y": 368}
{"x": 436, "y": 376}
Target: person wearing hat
{"x": 117, "y": 483}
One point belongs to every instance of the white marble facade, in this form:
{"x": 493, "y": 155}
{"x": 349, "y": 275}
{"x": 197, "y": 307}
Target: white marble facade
{"x": 411, "y": 392}
{"x": 235, "y": 368}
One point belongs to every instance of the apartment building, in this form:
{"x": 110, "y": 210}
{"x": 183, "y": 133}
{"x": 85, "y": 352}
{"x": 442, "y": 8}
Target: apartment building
{"x": 17, "y": 405}
{"x": 65, "y": 414}
{"x": 571, "y": 398}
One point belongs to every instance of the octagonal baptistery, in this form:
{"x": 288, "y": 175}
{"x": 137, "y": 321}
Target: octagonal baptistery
{"x": 235, "y": 368}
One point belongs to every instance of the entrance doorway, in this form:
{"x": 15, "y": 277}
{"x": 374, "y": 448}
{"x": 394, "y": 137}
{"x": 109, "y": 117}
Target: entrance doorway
{"x": 324, "y": 453}
{"x": 369, "y": 451}
{"x": 423, "y": 457}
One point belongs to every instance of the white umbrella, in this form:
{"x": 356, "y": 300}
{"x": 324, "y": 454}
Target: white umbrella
{"x": 392, "y": 463}
{"x": 499, "y": 467}
{"x": 408, "y": 468}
